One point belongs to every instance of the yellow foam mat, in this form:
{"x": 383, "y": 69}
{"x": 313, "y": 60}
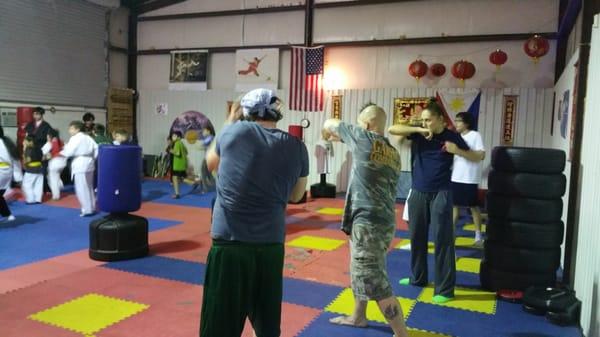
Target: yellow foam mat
{"x": 405, "y": 245}
{"x": 468, "y": 264}
{"x": 315, "y": 242}
{"x": 344, "y": 305}
{"x": 330, "y": 211}
{"x": 471, "y": 227}
{"x": 462, "y": 241}
{"x": 465, "y": 299}
{"x": 89, "y": 314}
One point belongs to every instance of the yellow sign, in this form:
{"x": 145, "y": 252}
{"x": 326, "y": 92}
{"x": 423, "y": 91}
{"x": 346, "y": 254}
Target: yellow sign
{"x": 408, "y": 110}
{"x": 336, "y": 106}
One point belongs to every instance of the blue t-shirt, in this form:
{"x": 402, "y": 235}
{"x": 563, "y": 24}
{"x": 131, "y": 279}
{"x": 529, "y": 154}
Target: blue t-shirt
{"x": 258, "y": 168}
{"x": 432, "y": 165}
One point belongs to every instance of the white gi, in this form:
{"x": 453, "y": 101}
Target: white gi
{"x": 55, "y": 168}
{"x": 84, "y": 151}
{"x": 33, "y": 182}
{"x": 10, "y": 168}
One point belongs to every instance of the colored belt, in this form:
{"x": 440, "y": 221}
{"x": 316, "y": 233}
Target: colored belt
{"x": 34, "y": 164}
{"x": 3, "y": 164}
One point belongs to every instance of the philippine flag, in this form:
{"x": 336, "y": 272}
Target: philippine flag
{"x": 455, "y": 102}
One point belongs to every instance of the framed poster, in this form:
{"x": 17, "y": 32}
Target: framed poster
{"x": 188, "y": 70}
{"x": 256, "y": 68}
{"x": 408, "y": 110}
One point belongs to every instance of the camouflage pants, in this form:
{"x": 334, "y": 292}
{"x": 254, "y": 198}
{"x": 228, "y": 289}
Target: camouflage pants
{"x": 368, "y": 250}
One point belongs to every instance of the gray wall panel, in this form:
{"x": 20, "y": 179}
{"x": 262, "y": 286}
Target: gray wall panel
{"x": 53, "y": 52}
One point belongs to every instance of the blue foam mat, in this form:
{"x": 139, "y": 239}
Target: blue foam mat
{"x": 163, "y": 267}
{"x": 321, "y": 327}
{"x": 41, "y": 232}
{"x": 308, "y": 293}
{"x": 160, "y": 191}
{"x": 509, "y": 320}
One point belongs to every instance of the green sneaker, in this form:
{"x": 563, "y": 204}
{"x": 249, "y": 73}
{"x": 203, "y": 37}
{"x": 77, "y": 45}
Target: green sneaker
{"x": 405, "y": 281}
{"x": 439, "y": 299}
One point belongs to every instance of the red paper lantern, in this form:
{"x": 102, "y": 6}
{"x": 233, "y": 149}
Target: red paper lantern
{"x": 417, "y": 69}
{"x": 438, "y": 69}
{"x": 463, "y": 70}
{"x": 536, "y": 47}
{"x": 498, "y": 58}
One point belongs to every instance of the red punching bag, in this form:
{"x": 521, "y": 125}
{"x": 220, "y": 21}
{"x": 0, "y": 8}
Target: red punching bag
{"x": 24, "y": 116}
{"x": 296, "y": 131}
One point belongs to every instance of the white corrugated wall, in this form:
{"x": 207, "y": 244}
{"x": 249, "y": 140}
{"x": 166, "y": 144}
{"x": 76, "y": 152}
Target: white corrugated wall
{"x": 533, "y": 119}
{"x": 587, "y": 268}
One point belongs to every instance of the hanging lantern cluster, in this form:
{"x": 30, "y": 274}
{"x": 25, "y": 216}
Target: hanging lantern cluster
{"x": 536, "y": 47}
{"x": 417, "y": 69}
{"x": 463, "y": 70}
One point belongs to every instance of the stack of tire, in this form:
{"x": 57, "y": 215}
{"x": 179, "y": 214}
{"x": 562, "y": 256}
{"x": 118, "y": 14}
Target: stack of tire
{"x": 524, "y": 229}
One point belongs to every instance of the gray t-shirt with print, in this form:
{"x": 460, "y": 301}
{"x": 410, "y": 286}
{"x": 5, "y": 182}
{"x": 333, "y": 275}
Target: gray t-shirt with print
{"x": 371, "y": 194}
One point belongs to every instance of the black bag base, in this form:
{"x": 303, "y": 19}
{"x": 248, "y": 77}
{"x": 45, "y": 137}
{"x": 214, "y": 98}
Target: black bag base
{"x": 118, "y": 237}
{"x": 559, "y": 305}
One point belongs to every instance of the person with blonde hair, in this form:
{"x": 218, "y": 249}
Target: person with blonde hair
{"x": 369, "y": 214}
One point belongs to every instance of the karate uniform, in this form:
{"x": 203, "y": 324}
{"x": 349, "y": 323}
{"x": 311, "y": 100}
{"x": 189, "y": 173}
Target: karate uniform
{"x": 10, "y": 169}
{"x": 56, "y": 164}
{"x": 84, "y": 151}
{"x": 33, "y": 181}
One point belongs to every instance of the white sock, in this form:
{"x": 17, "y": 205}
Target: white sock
{"x": 477, "y": 235}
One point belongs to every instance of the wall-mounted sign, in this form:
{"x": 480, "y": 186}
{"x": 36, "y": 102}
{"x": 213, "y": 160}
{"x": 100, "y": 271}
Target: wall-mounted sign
{"x": 408, "y": 110}
{"x": 509, "y": 115}
{"x": 336, "y": 106}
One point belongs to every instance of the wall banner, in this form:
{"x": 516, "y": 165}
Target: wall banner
{"x": 509, "y": 115}
{"x": 336, "y": 106}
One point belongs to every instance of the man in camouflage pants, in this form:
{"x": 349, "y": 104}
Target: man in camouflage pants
{"x": 369, "y": 215}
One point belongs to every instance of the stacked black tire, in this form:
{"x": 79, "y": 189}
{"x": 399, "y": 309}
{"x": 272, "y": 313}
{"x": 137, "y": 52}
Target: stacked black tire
{"x": 524, "y": 228}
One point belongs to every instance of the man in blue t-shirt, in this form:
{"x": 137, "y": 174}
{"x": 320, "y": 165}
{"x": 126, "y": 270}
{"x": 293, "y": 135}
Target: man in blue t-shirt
{"x": 259, "y": 169}
{"x": 433, "y": 149}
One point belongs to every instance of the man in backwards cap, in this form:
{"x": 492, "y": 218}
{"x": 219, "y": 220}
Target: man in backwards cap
{"x": 260, "y": 168}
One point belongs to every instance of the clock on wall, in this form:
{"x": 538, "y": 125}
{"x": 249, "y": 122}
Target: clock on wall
{"x": 305, "y": 123}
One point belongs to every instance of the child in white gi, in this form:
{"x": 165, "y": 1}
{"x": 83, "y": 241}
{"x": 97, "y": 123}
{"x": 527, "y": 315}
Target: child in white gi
{"x": 84, "y": 151}
{"x": 33, "y": 181}
{"x": 9, "y": 168}
{"x": 56, "y": 162}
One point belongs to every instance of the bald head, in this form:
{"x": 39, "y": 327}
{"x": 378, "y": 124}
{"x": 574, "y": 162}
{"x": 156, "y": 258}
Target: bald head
{"x": 373, "y": 118}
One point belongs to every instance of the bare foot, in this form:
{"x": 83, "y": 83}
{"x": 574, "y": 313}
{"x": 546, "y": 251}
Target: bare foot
{"x": 346, "y": 320}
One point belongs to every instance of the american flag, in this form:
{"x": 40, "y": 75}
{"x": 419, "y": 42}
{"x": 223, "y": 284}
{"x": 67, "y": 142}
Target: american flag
{"x": 306, "y": 79}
